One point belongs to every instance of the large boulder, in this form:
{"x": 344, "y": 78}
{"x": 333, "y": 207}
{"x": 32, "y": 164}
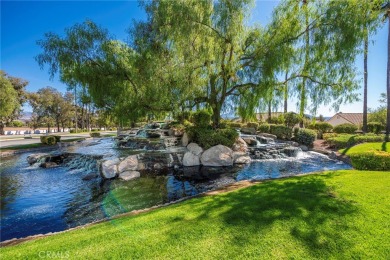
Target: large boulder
{"x": 184, "y": 139}
{"x": 218, "y": 155}
{"x": 190, "y": 159}
{"x": 240, "y": 145}
{"x": 250, "y": 141}
{"x": 267, "y": 135}
{"x": 128, "y": 164}
{"x": 291, "y": 151}
{"x": 33, "y": 158}
{"x": 129, "y": 175}
{"x": 195, "y": 148}
{"x": 109, "y": 168}
{"x": 241, "y": 158}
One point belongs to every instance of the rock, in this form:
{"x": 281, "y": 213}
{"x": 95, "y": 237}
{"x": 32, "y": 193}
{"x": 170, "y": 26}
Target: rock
{"x": 175, "y": 132}
{"x": 250, "y": 141}
{"x": 265, "y": 140}
{"x": 141, "y": 166}
{"x": 194, "y": 148}
{"x": 184, "y": 139}
{"x": 129, "y": 175}
{"x": 291, "y": 151}
{"x": 89, "y": 177}
{"x": 128, "y": 164}
{"x": 33, "y": 158}
{"x": 241, "y": 158}
{"x": 240, "y": 145}
{"x": 218, "y": 155}
{"x": 248, "y": 130}
{"x": 304, "y": 148}
{"x": 109, "y": 168}
{"x": 153, "y": 134}
{"x": 333, "y": 155}
{"x": 49, "y": 165}
{"x": 158, "y": 166}
{"x": 267, "y": 135}
{"x": 191, "y": 159}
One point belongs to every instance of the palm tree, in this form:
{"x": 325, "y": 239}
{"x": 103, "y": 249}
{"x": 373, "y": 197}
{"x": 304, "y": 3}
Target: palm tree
{"x": 386, "y": 7}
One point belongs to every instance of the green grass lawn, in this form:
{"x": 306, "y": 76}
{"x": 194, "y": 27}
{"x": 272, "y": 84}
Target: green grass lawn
{"x": 365, "y": 147}
{"x": 37, "y": 145}
{"x": 343, "y": 215}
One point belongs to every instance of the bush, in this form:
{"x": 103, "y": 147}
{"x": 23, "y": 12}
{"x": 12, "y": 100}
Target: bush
{"x": 235, "y": 125}
{"x": 327, "y": 136}
{"x": 48, "y": 139}
{"x": 306, "y": 137}
{"x": 95, "y": 134}
{"x": 58, "y": 138}
{"x": 264, "y": 128}
{"x": 372, "y": 160}
{"x": 375, "y": 127}
{"x": 321, "y": 127}
{"x": 206, "y": 137}
{"x": 277, "y": 120}
{"x": 253, "y": 125}
{"x": 201, "y": 118}
{"x": 16, "y": 123}
{"x": 345, "y": 140}
{"x": 184, "y": 116}
{"x": 281, "y": 131}
{"x": 345, "y": 129}
{"x": 296, "y": 130}
{"x": 291, "y": 119}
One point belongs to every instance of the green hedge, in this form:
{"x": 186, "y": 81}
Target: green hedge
{"x": 206, "y": 137}
{"x": 235, "y": 125}
{"x": 201, "y": 118}
{"x": 281, "y": 131}
{"x": 48, "y": 139}
{"x": 306, "y": 137}
{"x": 345, "y": 129}
{"x": 264, "y": 128}
{"x": 95, "y": 134}
{"x": 253, "y": 124}
{"x": 372, "y": 160}
{"x": 345, "y": 140}
{"x": 375, "y": 127}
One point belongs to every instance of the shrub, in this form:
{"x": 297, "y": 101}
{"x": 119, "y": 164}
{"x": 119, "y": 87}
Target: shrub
{"x": 51, "y": 140}
{"x": 184, "y": 116}
{"x": 206, "y": 137}
{"x": 16, "y": 123}
{"x": 72, "y": 131}
{"x": 345, "y": 140}
{"x": 201, "y": 118}
{"x": 43, "y": 138}
{"x": 281, "y": 131}
{"x": 277, "y": 120}
{"x": 296, "y": 130}
{"x": 58, "y": 138}
{"x": 253, "y": 125}
{"x": 375, "y": 127}
{"x": 345, "y": 129}
{"x": 264, "y": 128}
{"x": 235, "y": 125}
{"x": 291, "y": 119}
{"x": 95, "y": 134}
{"x": 321, "y": 127}
{"x": 329, "y": 135}
{"x": 372, "y": 160}
{"x": 306, "y": 137}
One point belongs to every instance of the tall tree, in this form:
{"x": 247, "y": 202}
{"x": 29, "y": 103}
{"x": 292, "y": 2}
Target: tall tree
{"x": 8, "y": 101}
{"x": 386, "y": 7}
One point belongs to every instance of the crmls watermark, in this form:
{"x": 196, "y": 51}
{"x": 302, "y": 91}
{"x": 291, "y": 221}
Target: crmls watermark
{"x": 54, "y": 254}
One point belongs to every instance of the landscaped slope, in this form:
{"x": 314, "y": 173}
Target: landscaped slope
{"x": 340, "y": 214}
{"x": 366, "y": 147}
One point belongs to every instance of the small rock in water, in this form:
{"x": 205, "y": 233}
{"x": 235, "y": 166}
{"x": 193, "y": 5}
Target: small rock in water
{"x": 89, "y": 177}
{"x": 49, "y": 165}
{"x": 129, "y": 175}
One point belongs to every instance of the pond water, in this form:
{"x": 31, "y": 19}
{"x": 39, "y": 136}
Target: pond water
{"x": 35, "y": 200}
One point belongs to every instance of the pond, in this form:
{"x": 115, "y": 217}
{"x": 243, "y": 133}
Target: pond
{"x": 35, "y": 200}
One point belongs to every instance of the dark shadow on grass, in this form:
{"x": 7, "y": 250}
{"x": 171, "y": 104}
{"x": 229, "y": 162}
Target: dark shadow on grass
{"x": 384, "y": 146}
{"x": 307, "y": 205}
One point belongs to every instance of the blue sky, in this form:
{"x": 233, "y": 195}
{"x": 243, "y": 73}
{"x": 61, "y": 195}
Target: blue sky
{"x": 25, "y": 22}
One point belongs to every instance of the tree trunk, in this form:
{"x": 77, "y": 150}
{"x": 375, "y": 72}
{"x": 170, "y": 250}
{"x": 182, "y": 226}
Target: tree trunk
{"x": 285, "y": 94}
{"x": 269, "y": 111}
{"x": 1, "y": 128}
{"x": 365, "y": 82}
{"x": 303, "y": 87}
{"x": 388, "y": 79}
{"x": 75, "y": 106}
{"x": 216, "y": 115}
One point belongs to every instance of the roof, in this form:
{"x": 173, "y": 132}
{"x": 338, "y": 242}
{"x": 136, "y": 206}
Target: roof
{"x": 353, "y": 118}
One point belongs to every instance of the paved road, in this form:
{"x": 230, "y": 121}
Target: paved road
{"x": 6, "y": 141}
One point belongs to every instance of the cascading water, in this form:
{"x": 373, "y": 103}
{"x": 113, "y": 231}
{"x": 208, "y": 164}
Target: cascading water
{"x": 36, "y": 200}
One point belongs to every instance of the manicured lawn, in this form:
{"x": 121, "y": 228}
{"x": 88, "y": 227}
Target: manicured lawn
{"x": 365, "y": 147}
{"x": 38, "y": 145}
{"x": 343, "y": 215}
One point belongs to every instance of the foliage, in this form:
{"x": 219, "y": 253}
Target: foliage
{"x": 206, "y": 137}
{"x": 16, "y": 123}
{"x": 57, "y": 137}
{"x": 48, "y": 139}
{"x": 201, "y": 118}
{"x": 94, "y": 134}
{"x": 321, "y": 127}
{"x": 306, "y": 137}
{"x": 337, "y": 207}
{"x": 327, "y": 136}
{"x": 235, "y": 125}
{"x": 281, "y": 131}
{"x": 291, "y": 119}
{"x": 372, "y": 160}
{"x": 375, "y": 127}
{"x": 345, "y": 128}
{"x": 378, "y": 115}
{"x": 264, "y": 128}
{"x": 253, "y": 125}
{"x": 184, "y": 116}
{"x": 8, "y": 101}
{"x": 346, "y": 140}
{"x": 277, "y": 120}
